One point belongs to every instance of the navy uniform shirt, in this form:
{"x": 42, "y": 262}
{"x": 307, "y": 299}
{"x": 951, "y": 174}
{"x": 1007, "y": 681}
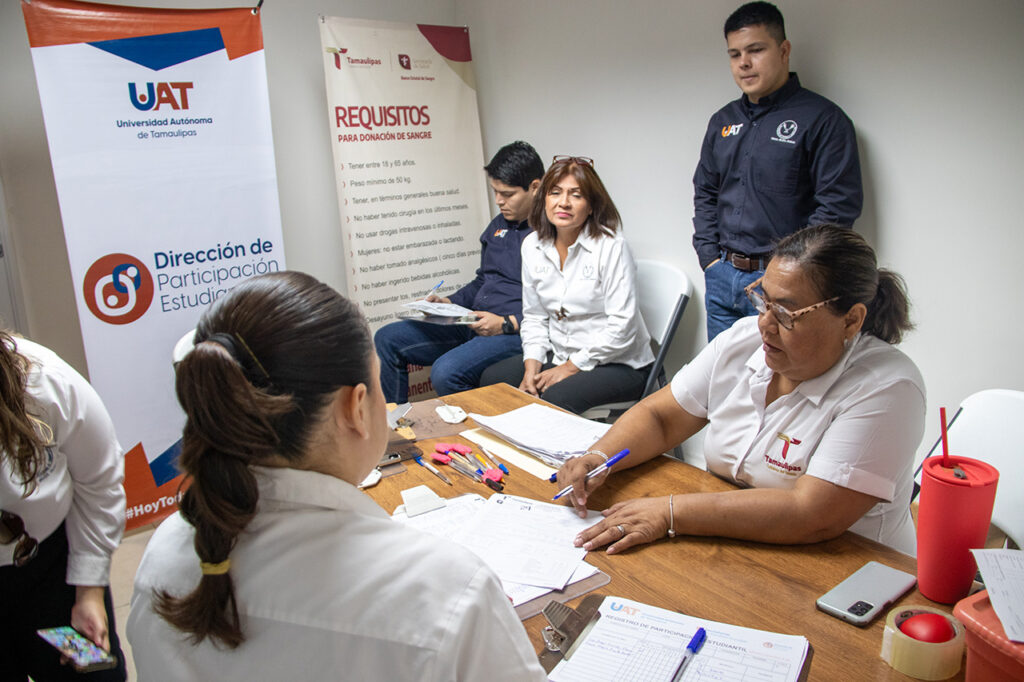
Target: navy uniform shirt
{"x": 498, "y": 285}
{"x": 768, "y": 169}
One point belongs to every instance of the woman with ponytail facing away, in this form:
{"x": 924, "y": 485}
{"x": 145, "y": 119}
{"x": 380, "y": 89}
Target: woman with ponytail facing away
{"x": 277, "y": 567}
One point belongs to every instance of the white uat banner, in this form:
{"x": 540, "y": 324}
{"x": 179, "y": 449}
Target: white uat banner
{"x": 158, "y": 124}
{"x": 405, "y": 130}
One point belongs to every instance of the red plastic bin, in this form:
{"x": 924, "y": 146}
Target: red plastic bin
{"x": 990, "y": 655}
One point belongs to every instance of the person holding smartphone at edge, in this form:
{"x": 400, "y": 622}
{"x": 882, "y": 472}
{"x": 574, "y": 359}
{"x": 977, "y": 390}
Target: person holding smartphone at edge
{"x": 810, "y": 408}
{"x": 457, "y": 353}
{"x": 62, "y": 510}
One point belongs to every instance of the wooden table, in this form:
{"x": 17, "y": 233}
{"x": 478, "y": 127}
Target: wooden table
{"x": 768, "y": 587}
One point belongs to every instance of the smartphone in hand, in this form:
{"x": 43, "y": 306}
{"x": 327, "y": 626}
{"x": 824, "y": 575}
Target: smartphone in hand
{"x": 866, "y": 593}
{"x": 84, "y": 655}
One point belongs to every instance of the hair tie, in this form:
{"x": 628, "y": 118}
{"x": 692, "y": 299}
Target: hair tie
{"x": 215, "y": 569}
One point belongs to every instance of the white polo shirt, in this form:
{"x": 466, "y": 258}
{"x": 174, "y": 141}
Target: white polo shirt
{"x": 329, "y": 587}
{"x": 857, "y": 425}
{"x": 586, "y": 311}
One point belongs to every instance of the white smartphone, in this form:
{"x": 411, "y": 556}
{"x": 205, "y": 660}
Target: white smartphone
{"x": 84, "y": 655}
{"x": 867, "y": 592}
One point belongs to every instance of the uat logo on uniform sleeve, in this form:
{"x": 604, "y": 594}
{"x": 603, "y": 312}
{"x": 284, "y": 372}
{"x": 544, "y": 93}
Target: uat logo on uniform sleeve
{"x": 118, "y": 288}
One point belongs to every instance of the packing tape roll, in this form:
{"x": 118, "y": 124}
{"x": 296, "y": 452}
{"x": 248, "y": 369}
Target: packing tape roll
{"x": 921, "y": 660}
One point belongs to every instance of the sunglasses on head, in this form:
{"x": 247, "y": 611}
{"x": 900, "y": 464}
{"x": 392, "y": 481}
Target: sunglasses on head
{"x": 578, "y": 160}
{"x": 12, "y": 529}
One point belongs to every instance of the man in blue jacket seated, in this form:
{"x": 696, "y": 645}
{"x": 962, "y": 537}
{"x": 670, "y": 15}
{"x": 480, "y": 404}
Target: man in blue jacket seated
{"x": 460, "y": 353}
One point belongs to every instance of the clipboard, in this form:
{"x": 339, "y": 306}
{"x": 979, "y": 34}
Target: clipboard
{"x": 568, "y": 627}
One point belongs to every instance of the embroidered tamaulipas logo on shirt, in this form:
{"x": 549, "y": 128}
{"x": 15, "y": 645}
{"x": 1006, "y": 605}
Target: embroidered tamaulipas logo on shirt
{"x": 782, "y": 466}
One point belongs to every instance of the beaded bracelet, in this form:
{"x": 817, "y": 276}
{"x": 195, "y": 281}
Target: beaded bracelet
{"x": 671, "y": 518}
{"x": 595, "y": 452}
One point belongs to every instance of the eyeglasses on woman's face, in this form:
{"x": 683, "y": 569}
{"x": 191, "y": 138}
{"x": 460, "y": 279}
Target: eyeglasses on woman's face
{"x": 784, "y": 317}
{"x": 12, "y": 529}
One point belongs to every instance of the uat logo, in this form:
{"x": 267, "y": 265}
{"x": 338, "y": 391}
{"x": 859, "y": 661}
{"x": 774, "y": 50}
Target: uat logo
{"x": 158, "y": 94}
{"x": 732, "y": 130}
{"x": 118, "y": 288}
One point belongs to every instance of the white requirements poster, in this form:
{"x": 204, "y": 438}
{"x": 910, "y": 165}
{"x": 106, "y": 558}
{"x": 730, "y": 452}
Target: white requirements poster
{"x": 405, "y": 132}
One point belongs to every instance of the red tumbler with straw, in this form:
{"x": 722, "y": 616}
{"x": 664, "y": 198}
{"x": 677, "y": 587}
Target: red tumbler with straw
{"x": 954, "y": 512}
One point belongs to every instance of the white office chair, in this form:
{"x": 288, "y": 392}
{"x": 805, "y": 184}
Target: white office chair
{"x": 989, "y": 426}
{"x": 663, "y": 292}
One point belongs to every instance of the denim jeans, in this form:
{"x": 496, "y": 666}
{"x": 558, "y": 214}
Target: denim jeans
{"x": 456, "y": 354}
{"x": 724, "y": 298}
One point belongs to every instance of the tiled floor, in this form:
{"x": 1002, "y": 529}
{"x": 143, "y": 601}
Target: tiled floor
{"x": 122, "y": 575}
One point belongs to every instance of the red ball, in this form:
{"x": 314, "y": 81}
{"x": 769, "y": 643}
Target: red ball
{"x": 928, "y": 627}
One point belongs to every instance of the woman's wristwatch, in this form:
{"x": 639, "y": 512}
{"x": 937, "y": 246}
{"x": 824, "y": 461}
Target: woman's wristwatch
{"x": 508, "y": 327}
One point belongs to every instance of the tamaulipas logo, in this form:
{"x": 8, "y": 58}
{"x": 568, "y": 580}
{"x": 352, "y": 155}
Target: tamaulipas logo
{"x": 118, "y": 288}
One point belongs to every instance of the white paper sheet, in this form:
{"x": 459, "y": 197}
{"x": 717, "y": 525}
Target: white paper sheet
{"x": 635, "y": 641}
{"x": 1003, "y": 572}
{"x": 510, "y": 453}
{"x": 528, "y": 544}
{"x": 552, "y": 435}
{"x": 440, "y": 309}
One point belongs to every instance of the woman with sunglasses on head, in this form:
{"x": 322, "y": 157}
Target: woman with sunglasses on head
{"x": 809, "y": 407}
{"x": 61, "y": 512}
{"x": 277, "y": 567}
{"x": 584, "y": 342}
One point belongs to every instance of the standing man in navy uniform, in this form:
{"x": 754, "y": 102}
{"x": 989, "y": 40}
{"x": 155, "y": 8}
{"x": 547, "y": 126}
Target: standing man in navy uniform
{"x": 777, "y": 159}
{"x": 458, "y": 354}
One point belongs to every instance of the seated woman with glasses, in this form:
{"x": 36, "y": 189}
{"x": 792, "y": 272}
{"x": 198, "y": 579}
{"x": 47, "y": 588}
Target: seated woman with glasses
{"x": 277, "y": 567}
{"x": 61, "y": 512}
{"x": 809, "y": 406}
{"x": 584, "y": 342}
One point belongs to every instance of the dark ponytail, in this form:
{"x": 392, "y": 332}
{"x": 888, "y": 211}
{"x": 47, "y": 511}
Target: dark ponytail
{"x": 267, "y": 359}
{"x": 842, "y": 265}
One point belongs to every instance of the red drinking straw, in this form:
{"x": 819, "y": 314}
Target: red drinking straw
{"x": 945, "y": 440}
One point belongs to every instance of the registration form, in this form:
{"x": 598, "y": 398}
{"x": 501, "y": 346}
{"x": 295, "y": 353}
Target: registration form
{"x": 635, "y": 641}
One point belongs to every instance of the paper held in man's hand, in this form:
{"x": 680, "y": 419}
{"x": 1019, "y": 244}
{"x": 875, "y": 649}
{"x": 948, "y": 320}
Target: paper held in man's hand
{"x": 436, "y": 312}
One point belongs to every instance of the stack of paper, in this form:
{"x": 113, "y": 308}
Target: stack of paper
{"x": 549, "y": 434}
{"x": 528, "y": 544}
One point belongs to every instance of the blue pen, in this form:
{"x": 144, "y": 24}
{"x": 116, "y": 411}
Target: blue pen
{"x": 494, "y": 460}
{"x": 434, "y": 289}
{"x": 607, "y": 465}
{"x": 691, "y": 649}
{"x": 432, "y": 469}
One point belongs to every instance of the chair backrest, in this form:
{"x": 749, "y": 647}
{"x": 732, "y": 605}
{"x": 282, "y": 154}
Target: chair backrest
{"x": 182, "y": 347}
{"x": 990, "y": 427}
{"x": 663, "y": 291}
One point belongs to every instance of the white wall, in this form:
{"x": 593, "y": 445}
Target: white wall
{"x": 934, "y": 87}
